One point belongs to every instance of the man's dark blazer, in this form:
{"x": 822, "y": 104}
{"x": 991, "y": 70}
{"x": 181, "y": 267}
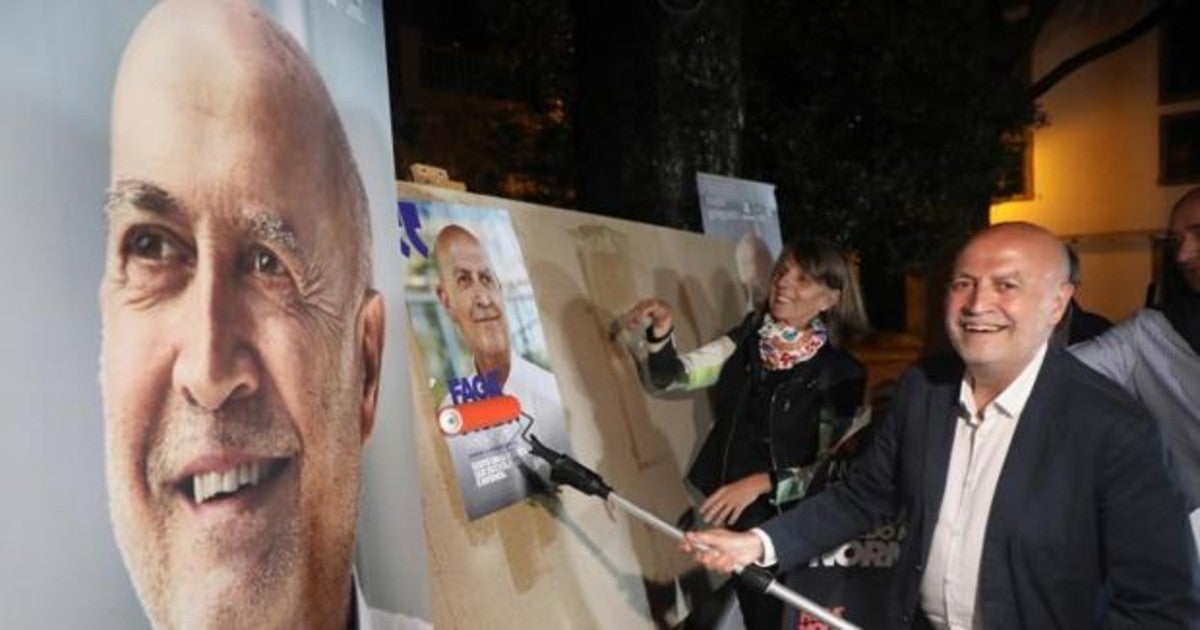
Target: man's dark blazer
{"x": 1086, "y": 529}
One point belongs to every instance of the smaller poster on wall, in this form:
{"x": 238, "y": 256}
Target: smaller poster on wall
{"x": 744, "y": 212}
{"x": 473, "y": 311}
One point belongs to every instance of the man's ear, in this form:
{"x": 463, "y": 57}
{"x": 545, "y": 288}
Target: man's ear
{"x": 372, "y": 319}
{"x": 1062, "y": 298}
{"x": 442, "y": 296}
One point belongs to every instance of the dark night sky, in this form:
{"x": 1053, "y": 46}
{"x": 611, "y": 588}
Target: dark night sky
{"x": 462, "y": 23}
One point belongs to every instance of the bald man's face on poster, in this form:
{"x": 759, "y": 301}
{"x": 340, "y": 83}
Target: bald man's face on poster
{"x": 476, "y": 322}
{"x": 470, "y": 291}
{"x": 241, "y": 343}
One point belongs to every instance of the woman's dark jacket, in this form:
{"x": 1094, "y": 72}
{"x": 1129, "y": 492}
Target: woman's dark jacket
{"x": 768, "y": 421}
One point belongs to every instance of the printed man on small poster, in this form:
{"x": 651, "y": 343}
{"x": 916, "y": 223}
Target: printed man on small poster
{"x": 474, "y": 314}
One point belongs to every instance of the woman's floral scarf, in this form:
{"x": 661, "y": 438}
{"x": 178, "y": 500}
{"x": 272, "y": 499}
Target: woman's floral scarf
{"x": 782, "y": 346}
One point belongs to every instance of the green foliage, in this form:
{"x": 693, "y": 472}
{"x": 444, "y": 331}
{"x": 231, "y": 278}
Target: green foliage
{"x": 887, "y": 126}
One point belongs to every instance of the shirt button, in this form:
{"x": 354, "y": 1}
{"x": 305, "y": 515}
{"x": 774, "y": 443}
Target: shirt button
{"x": 905, "y": 619}
{"x": 920, "y": 567}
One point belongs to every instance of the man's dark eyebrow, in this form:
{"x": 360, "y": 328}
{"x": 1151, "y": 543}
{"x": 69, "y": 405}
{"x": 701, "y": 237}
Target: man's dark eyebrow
{"x": 141, "y": 195}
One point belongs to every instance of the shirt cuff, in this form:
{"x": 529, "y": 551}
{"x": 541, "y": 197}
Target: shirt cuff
{"x": 1194, "y": 519}
{"x": 654, "y": 346}
{"x": 768, "y": 553}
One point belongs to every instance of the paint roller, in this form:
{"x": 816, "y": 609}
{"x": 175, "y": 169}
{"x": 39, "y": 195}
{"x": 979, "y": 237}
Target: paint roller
{"x": 565, "y": 470}
{"x": 479, "y": 415}
{"x": 491, "y": 412}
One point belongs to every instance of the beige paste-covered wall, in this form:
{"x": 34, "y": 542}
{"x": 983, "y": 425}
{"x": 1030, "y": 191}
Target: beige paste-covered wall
{"x": 570, "y": 562}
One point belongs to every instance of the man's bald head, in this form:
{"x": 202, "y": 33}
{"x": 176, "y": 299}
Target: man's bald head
{"x": 228, "y": 66}
{"x": 470, "y": 291}
{"x": 1184, "y": 232}
{"x": 1051, "y": 256}
{"x": 241, "y": 343}
{"x": 450, "y": 237}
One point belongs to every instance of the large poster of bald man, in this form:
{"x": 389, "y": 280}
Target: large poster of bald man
{"x": 473, "y": 311}
{"x": 203, "y": 391}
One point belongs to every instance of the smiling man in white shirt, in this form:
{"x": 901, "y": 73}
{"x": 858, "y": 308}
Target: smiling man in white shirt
{"x": 1035, "y": 492}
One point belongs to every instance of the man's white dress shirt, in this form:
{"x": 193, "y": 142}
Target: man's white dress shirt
{"x": 950, "y": 584}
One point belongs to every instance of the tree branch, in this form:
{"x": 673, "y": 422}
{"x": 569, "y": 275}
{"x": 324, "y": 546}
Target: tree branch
{"x": 1096, "y": 51}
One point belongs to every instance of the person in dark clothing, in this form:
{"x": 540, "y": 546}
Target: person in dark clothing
{"x": 1081, "y": 324}
{"x": 1155, "y": 355}
{"x": 1077, "y": 324}
{"x": 785, "y": 392}
{"x": 1034, "y": 491}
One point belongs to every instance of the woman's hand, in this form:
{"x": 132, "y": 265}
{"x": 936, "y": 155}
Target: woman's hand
{"x": 654, "y": 310}
{"x": 724, "y": 506}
